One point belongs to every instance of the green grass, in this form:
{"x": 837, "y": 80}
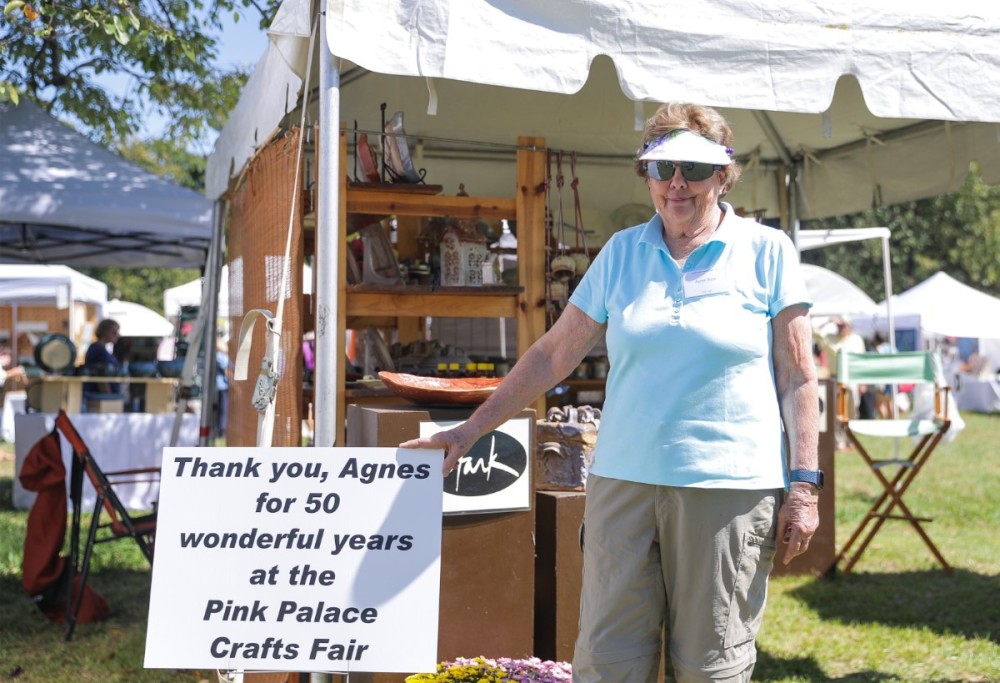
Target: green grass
{"x": 897, "y": 618}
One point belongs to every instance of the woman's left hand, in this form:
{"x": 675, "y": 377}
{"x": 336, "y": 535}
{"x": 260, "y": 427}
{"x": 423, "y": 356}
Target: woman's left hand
{"x": 798, "y": 519}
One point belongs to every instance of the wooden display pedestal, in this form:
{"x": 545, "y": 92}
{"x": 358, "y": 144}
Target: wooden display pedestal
{"x": 487, "y": 560}
{"x": 558, "y": 572}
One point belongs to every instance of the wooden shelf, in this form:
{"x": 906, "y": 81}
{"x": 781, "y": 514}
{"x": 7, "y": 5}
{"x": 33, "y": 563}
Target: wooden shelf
{"x": 453, "y": 302}
{"x": 386, "y": 203}
{"x": 404, "y": 305}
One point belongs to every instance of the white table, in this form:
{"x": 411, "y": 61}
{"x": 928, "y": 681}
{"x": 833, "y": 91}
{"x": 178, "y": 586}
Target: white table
{"x": 118, "y": 441}
{"x": 977, "y": 395}
{"x": 13, "y": 404}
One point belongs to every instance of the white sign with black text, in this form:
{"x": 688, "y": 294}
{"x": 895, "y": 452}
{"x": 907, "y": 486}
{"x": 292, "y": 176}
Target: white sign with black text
{"x": 297, "y": 559}
{"x": 495, "y": 475}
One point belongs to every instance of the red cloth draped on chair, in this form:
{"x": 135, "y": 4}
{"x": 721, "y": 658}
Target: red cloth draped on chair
{"x": 43, "y": 570}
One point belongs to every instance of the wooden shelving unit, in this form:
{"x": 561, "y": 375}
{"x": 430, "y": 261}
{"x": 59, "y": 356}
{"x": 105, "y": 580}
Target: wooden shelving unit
{"x": 406, "y": 305}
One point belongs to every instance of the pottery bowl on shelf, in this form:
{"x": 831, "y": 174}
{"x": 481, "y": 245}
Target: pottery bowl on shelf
{"x": 440, "y": 390}
{"x": 100, "y": 370}
{"x": 170, "y": 368}
{"x": 142, "y": 369}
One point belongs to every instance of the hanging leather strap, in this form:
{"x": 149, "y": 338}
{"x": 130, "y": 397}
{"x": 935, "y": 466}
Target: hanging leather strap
{"x": 266, "y": 387}
{"x": 560, "y": 181}
{"x": 581, "y": 234}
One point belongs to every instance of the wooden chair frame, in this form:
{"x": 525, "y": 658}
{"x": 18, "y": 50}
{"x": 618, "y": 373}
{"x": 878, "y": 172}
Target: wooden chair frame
{"x": 898, "y": 368}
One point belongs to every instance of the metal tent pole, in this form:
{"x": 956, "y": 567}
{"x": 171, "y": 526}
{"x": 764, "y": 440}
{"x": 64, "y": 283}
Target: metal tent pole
{"x": 327, "y": 245}
{"x": 210, "y": 302}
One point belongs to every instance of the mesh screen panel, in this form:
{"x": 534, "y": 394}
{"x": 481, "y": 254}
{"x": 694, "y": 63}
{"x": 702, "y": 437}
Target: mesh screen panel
{"x": 258, "y": 230}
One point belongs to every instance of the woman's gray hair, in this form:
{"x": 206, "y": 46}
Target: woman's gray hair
{"x": 699, "y": 119}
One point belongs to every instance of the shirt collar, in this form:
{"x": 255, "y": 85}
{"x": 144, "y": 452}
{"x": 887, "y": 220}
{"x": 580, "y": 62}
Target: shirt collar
{"x": 652, "y": 234}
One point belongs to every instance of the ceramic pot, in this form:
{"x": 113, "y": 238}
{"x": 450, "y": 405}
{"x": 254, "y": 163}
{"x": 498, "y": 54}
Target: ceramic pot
{"x": 563, "y": 267}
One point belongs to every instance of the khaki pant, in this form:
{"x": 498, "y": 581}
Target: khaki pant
{"x": 695, "y": 560}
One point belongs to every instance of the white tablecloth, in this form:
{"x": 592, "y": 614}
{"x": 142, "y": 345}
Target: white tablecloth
{"x": 13, "y": 404}
{"x": 977, "y": 395}
{"x": 118, "y": 441}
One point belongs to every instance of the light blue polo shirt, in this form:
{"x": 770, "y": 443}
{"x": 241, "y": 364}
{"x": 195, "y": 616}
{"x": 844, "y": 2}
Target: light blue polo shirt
{"x": 690, "y": 397}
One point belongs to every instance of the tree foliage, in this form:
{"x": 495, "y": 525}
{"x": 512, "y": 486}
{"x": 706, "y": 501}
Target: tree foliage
{"x": 63, "y": 53}
{"x": 141, "y": 285}
{"x": 958, "y": 233}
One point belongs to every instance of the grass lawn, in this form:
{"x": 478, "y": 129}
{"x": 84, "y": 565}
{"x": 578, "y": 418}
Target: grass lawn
{"x": 896, "y": 618}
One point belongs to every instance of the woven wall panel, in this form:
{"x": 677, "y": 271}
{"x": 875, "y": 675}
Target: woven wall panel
{"x": 258, "y": 230}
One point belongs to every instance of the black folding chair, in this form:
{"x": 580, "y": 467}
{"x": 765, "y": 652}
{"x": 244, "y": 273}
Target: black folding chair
{"x": 110, "y": 521}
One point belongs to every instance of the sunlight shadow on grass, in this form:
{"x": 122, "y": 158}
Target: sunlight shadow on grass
{"x": 808, "y": 669}
{"x": 6, "y": 494}
{"x": 962, "y": 604}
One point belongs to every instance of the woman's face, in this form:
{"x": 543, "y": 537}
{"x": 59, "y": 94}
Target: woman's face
{"x": 684, "y": 203}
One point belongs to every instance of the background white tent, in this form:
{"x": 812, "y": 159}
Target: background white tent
{"x": 189, "y": 294}
{"x": 471, "y": 76}
{"x": 835, "y": 295}
{"x": 66, "y": 200}
{"x": 136, "y": 320}
{"x": 58, "y": 287}
{"x": 942, "y": 306}
{"x": 42, "y": 285}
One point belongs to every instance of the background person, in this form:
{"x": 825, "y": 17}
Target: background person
{"x": 8, "y": 371}
{"x": 222, "y": 365}
{"x": 7, "y": 367}
{"x": 100, "y": 360}
{"x": 709, "y": 340}
{"x": 844, "y": 338}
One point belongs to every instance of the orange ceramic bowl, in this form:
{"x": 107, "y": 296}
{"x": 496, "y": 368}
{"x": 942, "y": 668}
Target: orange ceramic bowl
{"x": 440, "y": 390}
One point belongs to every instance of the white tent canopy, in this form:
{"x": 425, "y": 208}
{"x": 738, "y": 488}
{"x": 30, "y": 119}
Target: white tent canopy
{"x": 943, "y": 306}
{"x": 40, "y": 285}
{"x": 64, "y": 199}
{"x": 58, "y": 287}
{"x": 488, "y": 72}
{"x": 136, "y": 320}
{"x": 189, "y": 294}
{"x": 835, "y": 295}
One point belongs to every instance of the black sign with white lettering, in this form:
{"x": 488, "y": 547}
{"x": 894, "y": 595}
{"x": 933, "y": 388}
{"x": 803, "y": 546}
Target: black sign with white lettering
{"x": 495, "y": 475}
{"x": 493, "y": 464}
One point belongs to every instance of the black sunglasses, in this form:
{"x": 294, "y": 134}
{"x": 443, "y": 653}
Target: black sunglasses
{"x": 691, "y": 170}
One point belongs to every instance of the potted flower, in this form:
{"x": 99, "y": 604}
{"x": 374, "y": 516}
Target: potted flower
{"x": 502, "y": 670}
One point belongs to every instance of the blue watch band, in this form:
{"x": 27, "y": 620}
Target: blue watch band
{"x": 814, "y": 477}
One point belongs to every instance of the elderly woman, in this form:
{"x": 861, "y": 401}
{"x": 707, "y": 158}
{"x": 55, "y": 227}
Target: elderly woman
{"x": 708, "y": 334}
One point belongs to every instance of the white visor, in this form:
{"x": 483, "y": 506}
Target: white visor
{"x": 683, "y": 145}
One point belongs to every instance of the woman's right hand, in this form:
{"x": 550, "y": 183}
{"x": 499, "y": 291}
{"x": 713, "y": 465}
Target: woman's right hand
{"x": 455, "y": 442}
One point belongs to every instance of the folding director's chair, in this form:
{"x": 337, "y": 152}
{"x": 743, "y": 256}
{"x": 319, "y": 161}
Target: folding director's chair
{"x": 895, "y": 474}
{"x": 111, "y": 521}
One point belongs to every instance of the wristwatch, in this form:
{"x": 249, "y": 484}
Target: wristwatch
{"x": 814, "y": 477}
